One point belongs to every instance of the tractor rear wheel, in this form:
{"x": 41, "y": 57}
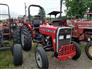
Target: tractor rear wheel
{"x": 26, "y": 39}
{"x": 41, "y": 58}
{"x": 17, "y": 55}
{"x": 88, "y": 50}
{"x": 78, "y": 51}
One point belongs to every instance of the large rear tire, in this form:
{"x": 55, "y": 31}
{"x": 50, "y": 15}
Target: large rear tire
{"x": 78, "y": 51}
{"x": 17, "y": 55}
{"x": 41, "y": 58}
{"x": 88, "y": 50}
{"x": 26, "y": 39}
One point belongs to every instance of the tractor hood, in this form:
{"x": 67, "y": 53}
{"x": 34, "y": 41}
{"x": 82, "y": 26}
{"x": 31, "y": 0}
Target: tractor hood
{"x": 50, "y": 30}
{"x": 51, "y": 27}
{"x": 84, "y": 24}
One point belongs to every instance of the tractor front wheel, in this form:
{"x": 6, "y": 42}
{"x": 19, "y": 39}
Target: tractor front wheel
{"x": 41, "y": 58}
{"x": 78, "y": 51}
{"x": 17, "y": 55}
{"x": 88, "y": 50}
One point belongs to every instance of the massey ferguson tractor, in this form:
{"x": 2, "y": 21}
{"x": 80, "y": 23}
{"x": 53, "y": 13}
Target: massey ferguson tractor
{"x": 47, "y": 38}
{"x": 81, "y": 32}
{"x": 6, "y": 36}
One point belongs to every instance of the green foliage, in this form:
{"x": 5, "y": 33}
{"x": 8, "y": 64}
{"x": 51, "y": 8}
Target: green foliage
{"x": 77, "y": 7}
{"x": 42, "y": 14}
{"x": 0, "y": 20}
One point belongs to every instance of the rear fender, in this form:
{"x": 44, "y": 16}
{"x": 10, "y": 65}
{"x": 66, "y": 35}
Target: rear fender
{"x": 29, "y": 26}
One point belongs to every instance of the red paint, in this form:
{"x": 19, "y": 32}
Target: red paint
{"x": 43, "y": 29}
{"x": 66, "y": 52}
{"x": 79, "y": 27}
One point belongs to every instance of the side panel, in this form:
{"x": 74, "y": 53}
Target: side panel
{"x": 48, "y": 31}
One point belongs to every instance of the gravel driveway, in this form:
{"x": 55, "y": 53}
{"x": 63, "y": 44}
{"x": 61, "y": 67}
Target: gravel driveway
{"x": 82, "y": 63}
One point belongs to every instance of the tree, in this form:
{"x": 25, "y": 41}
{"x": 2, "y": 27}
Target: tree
{"x": 88, "y": 4}
{"x": 77, "y": 7}
{"x": 42, "y": 14}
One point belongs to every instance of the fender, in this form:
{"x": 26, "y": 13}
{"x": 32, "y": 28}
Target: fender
{"x": 28, "y": 25}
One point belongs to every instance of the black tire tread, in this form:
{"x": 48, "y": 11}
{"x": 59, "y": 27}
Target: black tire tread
{"x": 17, "y": 55}
{"x": 78, "y": 51}
{"x": 28, "y": 40}
{"x": 44, "y": 58}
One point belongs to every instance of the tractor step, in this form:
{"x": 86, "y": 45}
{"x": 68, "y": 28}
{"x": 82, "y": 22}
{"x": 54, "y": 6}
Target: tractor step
{"x": 37, "y": 41}
{"x": 48, "y": 48}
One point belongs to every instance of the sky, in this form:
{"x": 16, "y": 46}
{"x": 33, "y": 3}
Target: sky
{"x": 17, "y": 6}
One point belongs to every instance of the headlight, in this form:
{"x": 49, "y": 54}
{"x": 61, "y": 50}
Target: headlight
{"x": 61, "y": 37}
{"x": 68, "y": 36}
{"x": 89, "y": 39}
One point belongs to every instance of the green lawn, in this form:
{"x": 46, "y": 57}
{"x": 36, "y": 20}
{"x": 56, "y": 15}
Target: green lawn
{"x": 6, "y": 60}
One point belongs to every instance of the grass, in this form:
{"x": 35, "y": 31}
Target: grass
{"x": 6, "y": 60}
{"x": 82, "y": 48}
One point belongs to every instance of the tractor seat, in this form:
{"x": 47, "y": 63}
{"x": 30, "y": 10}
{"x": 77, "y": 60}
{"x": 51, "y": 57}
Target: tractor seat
{"x": 36, "y": 23}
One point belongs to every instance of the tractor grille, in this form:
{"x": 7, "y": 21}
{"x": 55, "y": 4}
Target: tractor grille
{"x": 64, "y": 40}
{"x": 66, "y": 52}
{"x": 66, "y": 49}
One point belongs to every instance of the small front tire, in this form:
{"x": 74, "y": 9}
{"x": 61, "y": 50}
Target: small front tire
{"x": 41, "y": 58}
{"x": 78, "y": 51}
{"x": 17, "y": 55}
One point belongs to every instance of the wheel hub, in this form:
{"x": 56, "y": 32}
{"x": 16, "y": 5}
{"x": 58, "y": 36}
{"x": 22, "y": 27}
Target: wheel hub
{"x": 90, "y": 50}
{"x": 39, "y": 59}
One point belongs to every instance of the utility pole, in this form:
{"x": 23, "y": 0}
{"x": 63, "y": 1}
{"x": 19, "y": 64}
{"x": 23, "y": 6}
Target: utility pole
{"x": 25, "y": 9}
{"x": 61, "y": 8}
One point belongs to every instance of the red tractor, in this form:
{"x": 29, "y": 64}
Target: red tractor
{"x": 6, "y": 36}
{"x": 48, "y": 38}
{"x": 82, "y": 32}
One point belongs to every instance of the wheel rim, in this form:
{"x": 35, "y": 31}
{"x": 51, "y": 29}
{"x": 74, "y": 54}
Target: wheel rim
{"x": 22, "y": 39}
{"x": 90, "y": 50}
{"x": 39, "y": 60}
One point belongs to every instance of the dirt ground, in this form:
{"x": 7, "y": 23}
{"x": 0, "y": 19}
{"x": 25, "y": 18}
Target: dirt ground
{"x": 82, "y": 63}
